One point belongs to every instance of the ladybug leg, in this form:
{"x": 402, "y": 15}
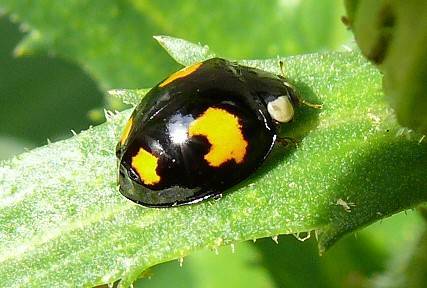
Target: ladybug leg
{"x": 300, "y": 99}
{"x": 287, "y": 142}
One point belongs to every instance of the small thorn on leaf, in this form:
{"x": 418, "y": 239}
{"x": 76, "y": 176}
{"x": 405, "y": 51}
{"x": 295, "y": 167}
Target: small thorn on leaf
{"x": 109, "y": 114}
{"x": 275, "y": 239}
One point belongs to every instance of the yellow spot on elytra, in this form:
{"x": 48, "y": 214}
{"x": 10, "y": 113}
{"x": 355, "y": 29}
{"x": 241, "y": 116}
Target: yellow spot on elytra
{"x": 145, "y": 165}
{"x": 181, "y": 74}
{"x": 224, "y": 133}
{"x": 126, "y": 132}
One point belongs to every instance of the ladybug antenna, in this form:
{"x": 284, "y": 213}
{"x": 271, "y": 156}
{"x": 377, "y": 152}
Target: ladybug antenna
{"x": 300, "y": 100}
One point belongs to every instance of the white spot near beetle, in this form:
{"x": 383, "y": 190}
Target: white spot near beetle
{"x": 180, "y": 261}
{"x": 281, "y": 109}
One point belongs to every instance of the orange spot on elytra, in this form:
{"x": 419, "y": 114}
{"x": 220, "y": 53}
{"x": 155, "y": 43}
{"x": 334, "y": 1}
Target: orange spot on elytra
{"x": 181, "y": 74}
{"x": 126, "y": 131}
{"x": 224, "y": 133}
{"x": 145, "y": 165}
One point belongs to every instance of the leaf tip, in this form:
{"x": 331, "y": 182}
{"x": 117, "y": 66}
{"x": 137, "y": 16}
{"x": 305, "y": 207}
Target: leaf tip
{"x": 182, "y": 51}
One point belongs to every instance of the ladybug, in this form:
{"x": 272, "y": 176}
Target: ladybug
{"x": 200, "y": 131}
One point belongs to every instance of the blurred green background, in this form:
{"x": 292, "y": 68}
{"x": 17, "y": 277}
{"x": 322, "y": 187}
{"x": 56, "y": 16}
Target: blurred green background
{"x": 57, "y": 61}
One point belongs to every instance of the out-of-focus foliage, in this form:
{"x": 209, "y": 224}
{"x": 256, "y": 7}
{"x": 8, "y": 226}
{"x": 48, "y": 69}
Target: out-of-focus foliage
{"x": 393, "y": 35}
{"x": 40, "y": 97}
{"x": 239, "y": 265}
{"x": 113, "y": 39}
{"x": 408, "y": 267}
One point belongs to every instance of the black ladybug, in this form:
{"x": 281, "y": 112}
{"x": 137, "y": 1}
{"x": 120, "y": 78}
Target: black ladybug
{"x": 200, "y": 131}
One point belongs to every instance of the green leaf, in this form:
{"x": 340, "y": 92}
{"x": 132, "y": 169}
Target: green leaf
{"x": 63, "y": 221}
{"x": 393, "y": 34}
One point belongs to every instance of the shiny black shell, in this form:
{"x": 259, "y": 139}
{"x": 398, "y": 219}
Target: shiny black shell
{"x": 185, "y": 175}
